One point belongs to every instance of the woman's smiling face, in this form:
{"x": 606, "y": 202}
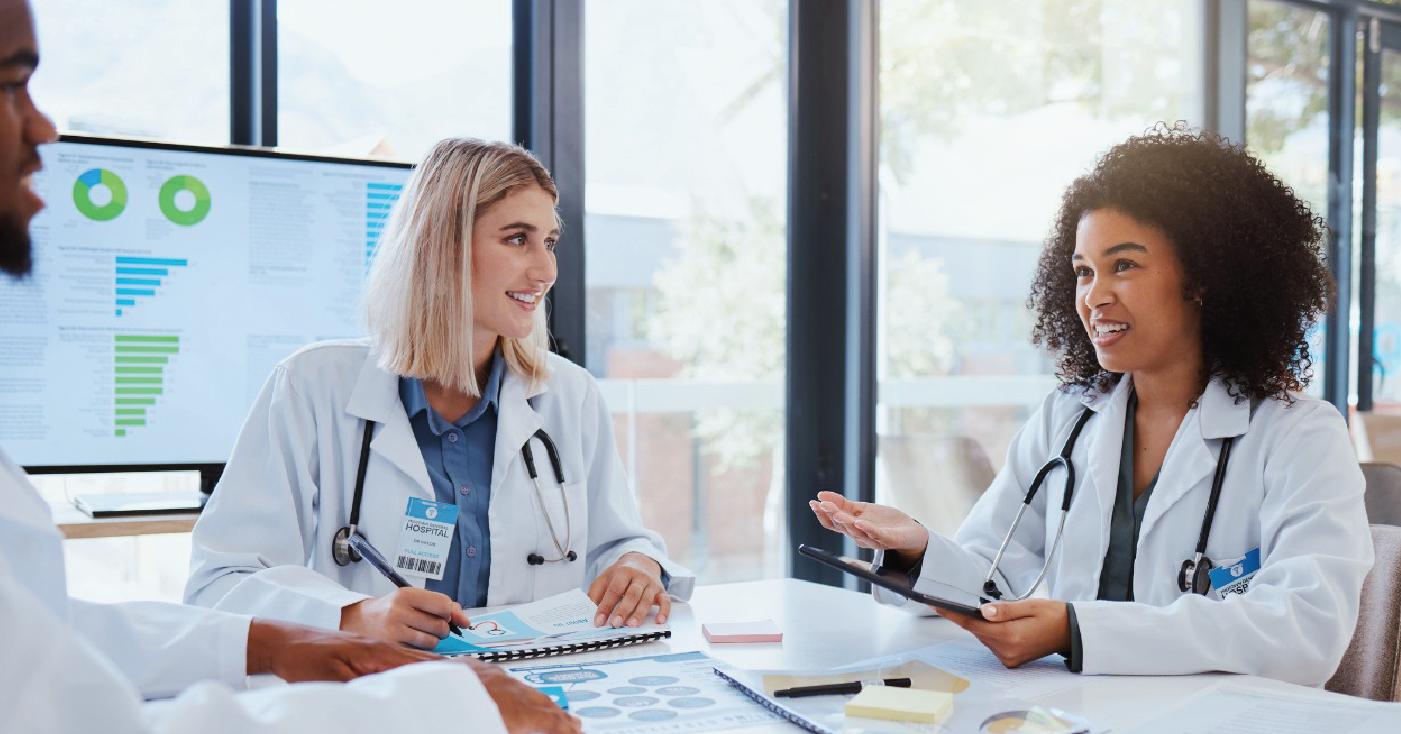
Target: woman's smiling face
{"x": 513, "y": 263}
{"x": 1129, "y": 292}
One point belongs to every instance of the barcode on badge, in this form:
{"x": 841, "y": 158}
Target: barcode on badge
{"x": 420, "y": 565}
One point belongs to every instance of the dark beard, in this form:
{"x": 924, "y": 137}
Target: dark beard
{"x": 16, "y": 251}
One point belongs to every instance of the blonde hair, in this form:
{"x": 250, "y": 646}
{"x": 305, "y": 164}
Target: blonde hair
{"x": 418, "y": 299}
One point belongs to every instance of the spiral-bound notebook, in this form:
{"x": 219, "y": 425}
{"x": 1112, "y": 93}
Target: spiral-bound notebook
{"x": 774, "y": 706}
{"x": 562, "y": 645}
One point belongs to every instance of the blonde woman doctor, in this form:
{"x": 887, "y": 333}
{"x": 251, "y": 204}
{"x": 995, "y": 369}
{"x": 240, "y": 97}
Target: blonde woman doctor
{"x": 458, "y": 401}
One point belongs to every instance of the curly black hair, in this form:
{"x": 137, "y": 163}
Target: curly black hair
{"x": 1251, "y": 250}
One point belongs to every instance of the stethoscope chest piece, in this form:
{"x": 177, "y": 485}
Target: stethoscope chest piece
{"x": 341, "y": 550}
{"x": 1195, "y": 577}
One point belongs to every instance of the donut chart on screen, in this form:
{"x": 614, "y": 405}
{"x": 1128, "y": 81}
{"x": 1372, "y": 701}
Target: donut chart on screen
{"x": 171, "y": 209}
{"x": 83, "y": 190}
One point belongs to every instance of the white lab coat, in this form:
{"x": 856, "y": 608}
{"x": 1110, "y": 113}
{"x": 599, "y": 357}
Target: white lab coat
{"x": 263, "y": 543}
{"x": 68, "y": 665}
{"x": 1292, "y": 489}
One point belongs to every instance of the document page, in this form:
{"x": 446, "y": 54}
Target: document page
{"x": 971, "y": 660}
{"x": 1235, "y": 709}
{"x": 566, "y": 617}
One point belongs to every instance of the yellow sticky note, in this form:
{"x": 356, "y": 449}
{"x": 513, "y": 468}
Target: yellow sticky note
{"x": 900, "y": 704}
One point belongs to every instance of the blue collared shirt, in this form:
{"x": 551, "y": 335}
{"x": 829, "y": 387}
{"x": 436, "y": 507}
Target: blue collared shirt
{"x": 458, "y": 456}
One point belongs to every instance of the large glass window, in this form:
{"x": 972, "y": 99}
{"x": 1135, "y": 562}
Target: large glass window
{"x": 686, "y": 182}
{"x": 1386, "y": 349}
{"x": 141, "y": 68}
{"x": 368, "y": 78}
{"x": 1286, "y": 118}
{"x": 1286, "y": 96}
{"x": 988, "y": 111}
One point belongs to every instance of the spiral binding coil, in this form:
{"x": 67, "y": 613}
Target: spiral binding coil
{"x": 498, "y": 656}
{"x": 774, "y": 706}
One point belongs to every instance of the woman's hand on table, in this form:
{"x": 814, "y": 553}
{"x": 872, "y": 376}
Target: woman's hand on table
{"x": 626, "y": 591}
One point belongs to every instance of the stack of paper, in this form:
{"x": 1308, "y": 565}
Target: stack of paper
{"x": 1234, "y": 709}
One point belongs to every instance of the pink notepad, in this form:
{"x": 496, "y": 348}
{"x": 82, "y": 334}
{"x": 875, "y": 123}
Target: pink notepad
{"x": 761, "y": 631}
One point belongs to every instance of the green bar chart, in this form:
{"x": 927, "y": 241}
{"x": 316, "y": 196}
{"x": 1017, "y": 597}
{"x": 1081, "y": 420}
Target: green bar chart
{"x": 139, "y": 371}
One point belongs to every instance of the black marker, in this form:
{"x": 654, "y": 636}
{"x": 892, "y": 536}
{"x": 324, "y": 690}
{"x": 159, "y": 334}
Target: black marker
{"x": 836, "y": 688}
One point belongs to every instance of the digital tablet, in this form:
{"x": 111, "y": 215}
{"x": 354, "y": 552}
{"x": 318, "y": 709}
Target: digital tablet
{"x": 944, "y": 596}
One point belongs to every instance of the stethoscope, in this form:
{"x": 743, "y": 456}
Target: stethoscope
{"x": 343, "y": 552}
{"x": 1195, "y": 574}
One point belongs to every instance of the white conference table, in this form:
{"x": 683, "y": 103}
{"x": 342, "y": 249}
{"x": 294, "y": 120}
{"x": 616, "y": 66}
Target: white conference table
{"x": 826, "y": 627}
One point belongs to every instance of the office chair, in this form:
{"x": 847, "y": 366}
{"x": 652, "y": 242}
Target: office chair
{"x": 1371, "y": 668}
{"x": 1383, "y": 494}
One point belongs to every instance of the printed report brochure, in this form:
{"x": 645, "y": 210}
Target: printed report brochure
{"x": 676, "y": 693}
{"x": 558, "y": 622}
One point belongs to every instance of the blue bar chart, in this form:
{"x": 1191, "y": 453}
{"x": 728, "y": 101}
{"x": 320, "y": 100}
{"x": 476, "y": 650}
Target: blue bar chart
{"x": 140, "y": 277}
{"x": 379, "y": 200}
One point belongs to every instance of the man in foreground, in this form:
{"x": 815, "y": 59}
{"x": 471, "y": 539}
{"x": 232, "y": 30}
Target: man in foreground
{"x": 70, "y": 665}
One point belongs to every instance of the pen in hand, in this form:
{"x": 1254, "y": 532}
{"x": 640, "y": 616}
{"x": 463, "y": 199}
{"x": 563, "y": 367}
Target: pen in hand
{"x": 370, "y": 553}
{"x": 838, "y": 688}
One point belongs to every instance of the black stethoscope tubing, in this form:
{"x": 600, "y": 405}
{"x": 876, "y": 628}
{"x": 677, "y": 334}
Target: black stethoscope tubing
{"x": 1194, "y": 576}
{"x": 344, "y": 553}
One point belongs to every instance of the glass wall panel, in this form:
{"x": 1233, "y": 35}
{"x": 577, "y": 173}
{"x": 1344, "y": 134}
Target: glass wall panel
{"x": 1386, "y": 347}
{"x": 685, "y": 137}
{"x": 141, "y": 68}
{"x": 1286, "y": 111}
{"x": 369, "y": 78}
{"x": 988, "y": 111}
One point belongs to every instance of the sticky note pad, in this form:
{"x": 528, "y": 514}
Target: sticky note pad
{"x": 900, "y": 704}
{"x": 762, "y": 631}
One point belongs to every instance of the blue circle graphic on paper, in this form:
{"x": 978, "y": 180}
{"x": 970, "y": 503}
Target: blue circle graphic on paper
{"x": 633, "y": 702}
{"x": 654, "y": 680}
{"x": 652, "y": 715}
{"x": 626, "y": 690}
{"x": 692, "y": 702}
{"x": 582, "y": 695}
{"x": 598, "y": 712}
{"x": 678, "y": 691}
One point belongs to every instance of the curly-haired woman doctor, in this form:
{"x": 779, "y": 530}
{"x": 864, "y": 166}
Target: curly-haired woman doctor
{"x": 1176, "y": 289}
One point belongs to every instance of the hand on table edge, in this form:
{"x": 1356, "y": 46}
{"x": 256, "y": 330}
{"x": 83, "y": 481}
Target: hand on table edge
{"x": 626, "y": 591}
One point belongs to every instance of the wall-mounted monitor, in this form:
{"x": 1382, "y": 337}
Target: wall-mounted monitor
{"x": 168, "y": 281}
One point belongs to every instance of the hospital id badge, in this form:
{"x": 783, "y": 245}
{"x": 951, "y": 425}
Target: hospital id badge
{"x": 426, "y": 538}
{"x": 1235, "y": 579}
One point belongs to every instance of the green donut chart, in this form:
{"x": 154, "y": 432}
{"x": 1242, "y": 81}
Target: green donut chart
{"x": 82, "y": 194}
{"x": 185, "y": 218}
